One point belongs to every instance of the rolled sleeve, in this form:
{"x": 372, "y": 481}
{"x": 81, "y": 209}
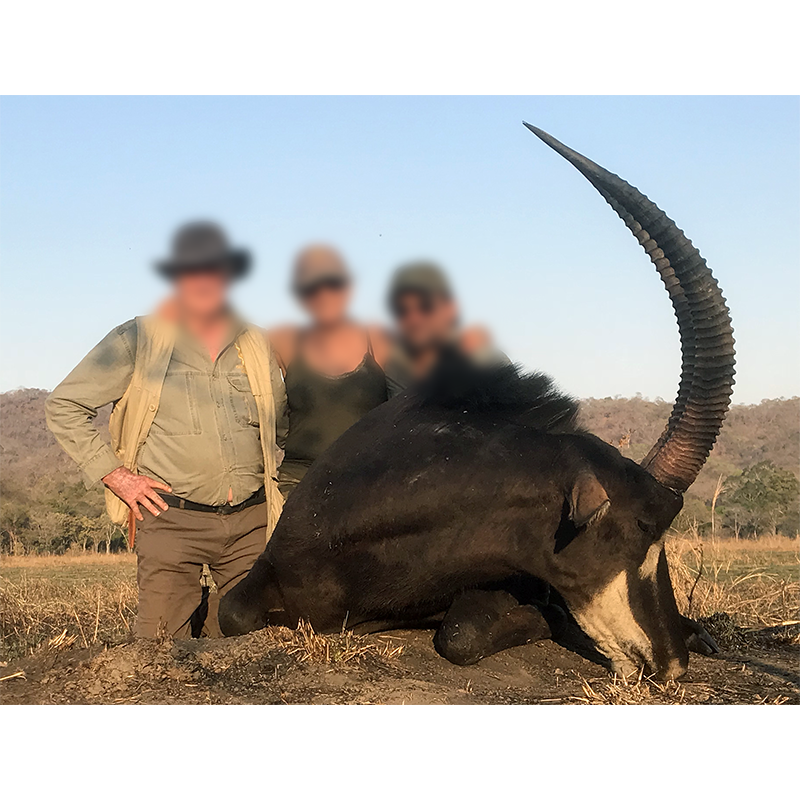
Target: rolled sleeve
{"x": 99, "y": 466}
{"x": 101, "y": 378}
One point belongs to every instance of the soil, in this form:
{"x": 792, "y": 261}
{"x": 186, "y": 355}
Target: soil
{"x": 397, "y": 668}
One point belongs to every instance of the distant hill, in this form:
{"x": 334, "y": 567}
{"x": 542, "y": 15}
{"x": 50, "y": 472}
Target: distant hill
{"x": 30, "y": 457}
{"x": 33, "y": 466}
{"x": 769, "y": 431}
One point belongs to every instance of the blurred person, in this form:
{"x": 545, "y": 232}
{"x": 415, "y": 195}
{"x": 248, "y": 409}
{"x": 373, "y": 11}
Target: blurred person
{"x": 333, "y": 367}
{"x": 427, "y": 319}
{"x": 199, "y": 408}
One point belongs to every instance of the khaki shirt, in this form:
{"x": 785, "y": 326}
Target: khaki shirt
{"x": 204, "y": 440}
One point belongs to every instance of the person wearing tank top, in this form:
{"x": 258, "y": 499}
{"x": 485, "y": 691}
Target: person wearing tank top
{"x": 333, "y": 368}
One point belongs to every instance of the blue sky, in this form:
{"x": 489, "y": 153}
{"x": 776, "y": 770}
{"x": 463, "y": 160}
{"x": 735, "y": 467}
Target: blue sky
{"x": 91, "y": 188}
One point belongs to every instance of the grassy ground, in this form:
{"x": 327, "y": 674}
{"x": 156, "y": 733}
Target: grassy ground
{"x": 53, "y": 609}
{"x": 83, "y": 599}
{"x": 756, "y": 582}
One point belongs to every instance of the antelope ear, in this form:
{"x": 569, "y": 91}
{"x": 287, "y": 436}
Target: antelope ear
{"x": 588, "y": 501}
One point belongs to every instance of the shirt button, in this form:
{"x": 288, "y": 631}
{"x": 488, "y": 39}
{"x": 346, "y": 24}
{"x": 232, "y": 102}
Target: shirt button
{"x": 152, "y": 406}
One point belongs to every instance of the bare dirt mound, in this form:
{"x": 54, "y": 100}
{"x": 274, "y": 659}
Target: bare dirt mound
{"x": 281, "y": 666}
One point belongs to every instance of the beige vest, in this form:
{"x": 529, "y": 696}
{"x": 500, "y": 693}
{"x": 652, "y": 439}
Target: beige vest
{"x": 134, "y": 414}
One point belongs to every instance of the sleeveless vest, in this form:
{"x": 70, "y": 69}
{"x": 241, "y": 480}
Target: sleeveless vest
{"x": 134, "y": 413}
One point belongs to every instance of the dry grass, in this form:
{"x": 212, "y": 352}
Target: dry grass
{"x": 754, "y": 583}
{"x": 81, "y": 600}
{"x": 764, "y": 545}
{"x": 642, "y": 690}
{"x": 64, "y": 601}
{"x": 340, "y": 648}
{"x": 58, "y": 602}
{"x": 37, "y": 563}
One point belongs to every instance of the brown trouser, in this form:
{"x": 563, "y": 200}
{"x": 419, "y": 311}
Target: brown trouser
{"x": 171, "y": 550}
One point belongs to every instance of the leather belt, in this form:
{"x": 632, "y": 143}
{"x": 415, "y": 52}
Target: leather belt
{"x": 178, "y": 502}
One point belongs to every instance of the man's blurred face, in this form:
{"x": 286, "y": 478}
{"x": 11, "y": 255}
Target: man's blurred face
{"x": 203, "y": 293}
{"x": 424, "y": 319}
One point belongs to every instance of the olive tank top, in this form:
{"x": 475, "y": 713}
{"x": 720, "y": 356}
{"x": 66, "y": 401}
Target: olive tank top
{"x": 322, "y": 407}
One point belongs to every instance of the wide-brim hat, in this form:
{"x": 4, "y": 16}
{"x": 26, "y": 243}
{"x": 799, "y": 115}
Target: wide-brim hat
{"x": 203, "y": 246}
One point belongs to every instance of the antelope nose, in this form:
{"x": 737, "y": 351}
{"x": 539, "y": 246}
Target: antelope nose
{"x": 673, "y": 671}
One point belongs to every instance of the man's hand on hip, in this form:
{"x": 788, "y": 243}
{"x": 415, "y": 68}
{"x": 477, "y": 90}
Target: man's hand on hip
{"x": 134, "y": 490}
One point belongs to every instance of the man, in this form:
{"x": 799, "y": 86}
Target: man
{"x": 199, "y": 407}
{"x": 426, "y": 313}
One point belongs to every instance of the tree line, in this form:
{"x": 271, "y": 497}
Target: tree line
{"x": 748, "y": 488}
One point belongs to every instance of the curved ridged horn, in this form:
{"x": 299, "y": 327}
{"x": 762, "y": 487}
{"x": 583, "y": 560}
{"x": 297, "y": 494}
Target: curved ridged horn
{"x": 704, "y": 324}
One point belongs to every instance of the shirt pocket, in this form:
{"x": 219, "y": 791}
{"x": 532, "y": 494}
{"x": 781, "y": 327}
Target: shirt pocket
{"x": 242, "y": 401}
{"x": 178, "y": 412}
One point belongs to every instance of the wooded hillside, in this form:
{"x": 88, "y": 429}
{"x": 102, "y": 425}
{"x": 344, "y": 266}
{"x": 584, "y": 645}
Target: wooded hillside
{"x": 45, "y": 507}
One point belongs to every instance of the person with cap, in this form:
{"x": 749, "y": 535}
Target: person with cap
{"x": 426, "y": 315}
{"x": 199, "y": 410}
{"x": 333, "y": 368}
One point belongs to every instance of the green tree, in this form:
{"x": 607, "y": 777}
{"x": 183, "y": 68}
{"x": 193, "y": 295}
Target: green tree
{"x": 763, "y": 499}
{"x": 15, "y": 526}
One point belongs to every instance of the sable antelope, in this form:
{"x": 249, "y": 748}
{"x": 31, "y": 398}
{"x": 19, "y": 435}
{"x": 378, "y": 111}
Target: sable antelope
{"x": 458, "y": 498}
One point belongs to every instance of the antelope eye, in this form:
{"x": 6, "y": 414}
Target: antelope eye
{"x": 648, "y": 527}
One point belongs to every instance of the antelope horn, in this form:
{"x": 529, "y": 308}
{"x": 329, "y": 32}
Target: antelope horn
{"x": 704, "y": 323}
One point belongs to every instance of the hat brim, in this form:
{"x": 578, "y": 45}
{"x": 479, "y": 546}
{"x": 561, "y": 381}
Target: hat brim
{"x": 237, "y": 261}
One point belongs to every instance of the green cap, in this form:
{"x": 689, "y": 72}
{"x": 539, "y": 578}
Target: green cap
{"x": 426, "y": 277}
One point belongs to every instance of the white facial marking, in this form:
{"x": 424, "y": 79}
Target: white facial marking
{"x": 650, "y": 564}
{"x": 609, "y": 620}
